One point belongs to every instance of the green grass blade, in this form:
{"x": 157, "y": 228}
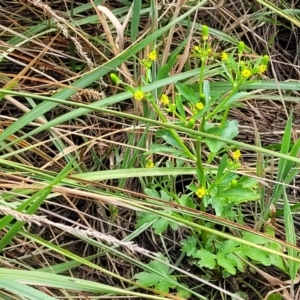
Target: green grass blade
{"x": 65, "y": 282}
{"x": 135, "y": 22}
{"x": 278, "y": 11}
{"x": 22, "y": 290}
{"x": 290, "y": 237}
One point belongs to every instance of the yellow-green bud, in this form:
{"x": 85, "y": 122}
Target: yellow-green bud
{"x": 234, "y": 183}
{"x": 202, "y": 98}
{"x": 115, "y": 78}
{"x": 191, "y": 123}
{"x": 205, "y": 32}
{"x": 241, "y": 47}
{"x": 265, "y": 60}
{"x": 172, "y": 107}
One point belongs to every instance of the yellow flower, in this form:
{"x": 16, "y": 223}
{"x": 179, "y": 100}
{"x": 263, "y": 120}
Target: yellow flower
{"x": 224, "y": 56}
{"x": 262, "y": 69}
{"x": 139, "y": 95}
{"x": 165, "y": 100}
{"x": 201, "y": 192}
{"x": 149, "y": 164}
{"x": 199, "y": 106}
{"x": 152, "y": 55}
{"x": 246, "y": 73}
{"x": 236, "y": 155}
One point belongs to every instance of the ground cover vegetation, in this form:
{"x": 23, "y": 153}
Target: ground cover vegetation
{"x": 149, "y": 149}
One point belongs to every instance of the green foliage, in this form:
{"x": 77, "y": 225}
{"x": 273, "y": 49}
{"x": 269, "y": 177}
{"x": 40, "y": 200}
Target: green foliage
{"x": 150, "y": 279}
{"x": 230, "y": 255}
{"x": 159, "y": 224}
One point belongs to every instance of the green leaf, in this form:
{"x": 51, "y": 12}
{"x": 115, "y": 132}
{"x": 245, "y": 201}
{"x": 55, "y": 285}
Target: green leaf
{"x": 207, "y": 259}
{"x": 229, "y": 246}
{"x": 227, "y": 264}
{"x": 258, "y": 255}
{"x": 147, "y": 279}
{"x": 164, "y": 71}
{"x": 275, "y": 297}
{"x": 168, "y": 137}
{"x": 248, "y": 182}
{"x": 164, "y": 149}
{"x": 222, "y": 166}
{"x": 165, "y": 286}
{"x": 240, "y": 264}
{"x": 180, "y": 107}
{"x": 152, "y": 193}
{"x": 159, "y": 266}
{"x": 278, "y": 262}
{"x": 160, "y": 225}
{"x": 173, "y": 225}
{"x": 239, "y": 195}
{"x": 187, "y": 93}
{"x": 185, "y": 294}
{"x": 165, "y": 196}
{"x": 145, "y": 218}
{"x": 229, "y": 131}
{"x": 254, "y": 238}
{"x": 217, "y": 204}
{"x": 186, "y": 201}
{"x": 153, "y": 279}
{"x": 189, "y": 245}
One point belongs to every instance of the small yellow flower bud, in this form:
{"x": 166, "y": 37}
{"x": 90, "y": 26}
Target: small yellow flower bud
{"x": 164, "y": 100}
{"x": 201, "y": 192}
{"x": 149, "y": 164}
{"x": 152, "y": 55}
{"x": 199, "y": 106}
{"x": 262, "y": 69}
{"x": 139, "y": 95}
{"x": 224, "y": 56}
{"x": 236, "y": 155}
{"x": 246, "y": 73}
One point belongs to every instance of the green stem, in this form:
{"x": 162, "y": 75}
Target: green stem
{"x": 220, "y": 105}
{"x": 173, "y": 132}
{"x": 199, "y": 161}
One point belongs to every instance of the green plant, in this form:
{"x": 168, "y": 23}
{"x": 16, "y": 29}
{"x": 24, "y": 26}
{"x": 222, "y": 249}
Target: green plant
{"x": 221, "y": 188}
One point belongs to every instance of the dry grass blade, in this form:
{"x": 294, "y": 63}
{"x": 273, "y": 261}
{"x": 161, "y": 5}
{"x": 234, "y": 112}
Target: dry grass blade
{"x": 118, "y": 26}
